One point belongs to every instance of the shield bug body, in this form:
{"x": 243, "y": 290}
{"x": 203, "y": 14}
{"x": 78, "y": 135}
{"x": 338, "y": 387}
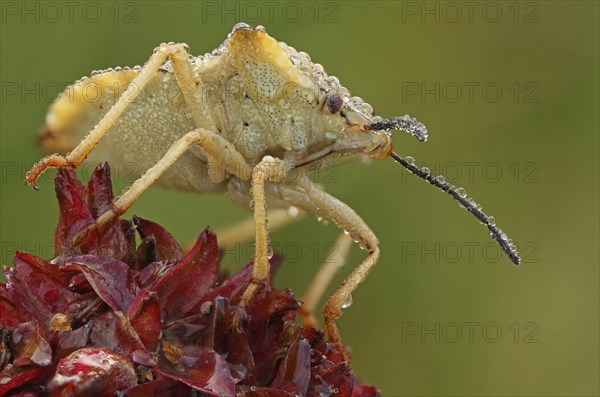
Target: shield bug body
{"x": 253, "y": 119}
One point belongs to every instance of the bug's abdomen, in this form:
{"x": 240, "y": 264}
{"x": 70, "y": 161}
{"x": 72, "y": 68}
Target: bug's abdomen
{"x": 153, "y": 121}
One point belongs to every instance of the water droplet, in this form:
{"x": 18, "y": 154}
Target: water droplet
{"x": 206, "y": 307}
{"x": 251, "y": 204}
{"x": 426, "y": 170}
{"x": 410, "y": 160}
{"x": 366, "y": 108}
{"x": 441, "y": 179}
{"x": 461, "y": 192}
{"x": 348, "y": 302}
{"x": 293, "y": 211}
{"x": 239, "y": 26}
{"x": 491, "y": 221}
{"x": 346, "y": 232}
{"x": 270, "y": 252}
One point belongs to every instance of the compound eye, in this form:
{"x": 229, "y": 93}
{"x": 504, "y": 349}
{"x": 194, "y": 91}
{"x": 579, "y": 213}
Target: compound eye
{"x": 334, "y": 103}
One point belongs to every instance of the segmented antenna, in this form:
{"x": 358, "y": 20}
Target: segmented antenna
{"x": 461, "y": 196}
{"x": 401, "y": 123}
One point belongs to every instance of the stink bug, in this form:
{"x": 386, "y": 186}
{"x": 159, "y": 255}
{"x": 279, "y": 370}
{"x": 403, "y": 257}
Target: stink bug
{"x": 254, "y": 118}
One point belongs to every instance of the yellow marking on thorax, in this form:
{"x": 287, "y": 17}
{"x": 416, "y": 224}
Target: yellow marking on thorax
{"x": 259, "y": 46}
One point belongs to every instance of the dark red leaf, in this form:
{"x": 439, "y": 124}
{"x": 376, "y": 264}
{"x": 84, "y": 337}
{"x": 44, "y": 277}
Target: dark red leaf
{"x": 144, "y": 315}
{"x": 198, "y": 367}
{"x": 163, "y": 244}
{"x": 30, "y": 307}
{"x": 13, "y": 377}
{"x": 188, "y": 281}
{"x": 92, "y": 372}
{"x": 80, "y": 284}
{"x": 212, "y": 328}
{"x": 102, "y": 308}
{"x": 266, "y": 334}
{"x": 9, "y": 318}
{"x": 253, "y": 391}
{"x": 365, "y": 391}
{"x": 116, "y": 237}
{"x": 163, "y": 387}
{"x": 337, "y": 378}
{"x": 295, "y": 367}
{"x": 45, "y": 284}
{"x": 29, "y": 347}
{"x": 110, "y": 278}
{"x": 115, "y": 332}
{"x": 74, "y": 215}
{"x": 99, "y": 192}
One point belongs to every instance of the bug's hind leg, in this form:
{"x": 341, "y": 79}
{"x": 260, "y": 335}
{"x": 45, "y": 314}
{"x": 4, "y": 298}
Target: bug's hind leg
{"x": 243, "y": 231}
{"x": 187, "y": 81}
{"x": 218, "y": 151}
{"x": 279, "y": 214}
{"x": 317, "y": 287}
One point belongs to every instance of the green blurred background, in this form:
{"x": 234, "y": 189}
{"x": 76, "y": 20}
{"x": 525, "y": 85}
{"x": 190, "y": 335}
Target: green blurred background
{"x": 528, "y": 153}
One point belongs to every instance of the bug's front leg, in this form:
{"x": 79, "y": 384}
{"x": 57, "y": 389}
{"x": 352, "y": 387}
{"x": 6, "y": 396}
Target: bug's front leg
{"x": 273, "y": 170}
{"x": 218, "y": 151}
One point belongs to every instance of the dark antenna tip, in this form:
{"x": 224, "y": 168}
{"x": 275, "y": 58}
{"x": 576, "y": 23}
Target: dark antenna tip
{"x": 469, "y": 204}
{"x": 402, "y": 123}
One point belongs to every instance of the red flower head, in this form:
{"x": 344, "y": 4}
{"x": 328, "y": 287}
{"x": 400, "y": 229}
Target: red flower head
{"x": 107, "y": 317}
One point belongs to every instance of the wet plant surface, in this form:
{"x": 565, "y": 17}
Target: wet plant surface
{"x": 108, "y": 316}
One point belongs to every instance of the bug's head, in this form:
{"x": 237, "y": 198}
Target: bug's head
{"x": 362, "y": 132}
{"x": 371, "y": 135}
